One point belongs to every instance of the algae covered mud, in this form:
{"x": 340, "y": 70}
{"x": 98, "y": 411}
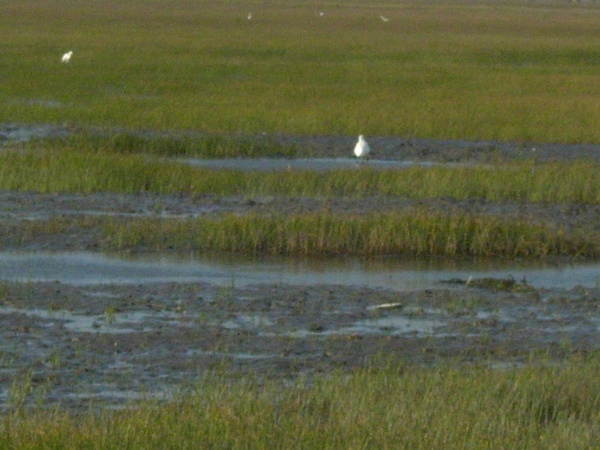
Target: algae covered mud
{"x": 81, "y": 326}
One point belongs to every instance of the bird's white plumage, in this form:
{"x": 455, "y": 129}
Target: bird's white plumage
{"x": 385, "y": 19}
{"x": 67, "y": 57}
{"x": 250, "y": 16}
{"x": 361, "y": 149}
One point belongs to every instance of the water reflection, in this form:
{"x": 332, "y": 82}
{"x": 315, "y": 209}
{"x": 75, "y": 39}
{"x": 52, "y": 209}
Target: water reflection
{"x": 272, "y": 164}
{"x": 83, "y": 268}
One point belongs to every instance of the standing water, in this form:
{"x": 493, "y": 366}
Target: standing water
{"x": 83, "y": 268}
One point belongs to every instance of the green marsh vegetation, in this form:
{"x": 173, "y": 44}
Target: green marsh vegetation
{"x": 418, "y": 231}
{"x": 169, "y": 145}
{"x": 381, "y": 406}
{"x": 471, "y": 70}
{"x": 447, "y": 69}
{"x": 512, "y": 71}
{"x": 89, "y": 171}
{"x": 412, "y": 233}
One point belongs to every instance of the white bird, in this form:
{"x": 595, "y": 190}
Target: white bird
{"x": 67, "y": 56}
{"x": 385, "y": 19}
{"x": 249, "y": 16}
{"x": 321, "y": 14}
{"x": 361, "y": 149}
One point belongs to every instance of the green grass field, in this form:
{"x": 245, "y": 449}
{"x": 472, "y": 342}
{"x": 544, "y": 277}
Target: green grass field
{"x": 382, "y": 406}
{"x": 471, "y": 70}
{"x": 75, "y": 170}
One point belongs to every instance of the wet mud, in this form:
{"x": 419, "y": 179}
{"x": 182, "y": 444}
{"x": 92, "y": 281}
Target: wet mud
{"x": 109, "y": 344}
{"x": 386, "y": 148}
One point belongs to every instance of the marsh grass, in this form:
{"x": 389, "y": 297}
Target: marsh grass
{"x": 166, "y": 145}
{"x": 447, "y": 69}
{"x": 382, "y": 406}
{"x": 417, "y": 232}
{"x": 88, "y": 171}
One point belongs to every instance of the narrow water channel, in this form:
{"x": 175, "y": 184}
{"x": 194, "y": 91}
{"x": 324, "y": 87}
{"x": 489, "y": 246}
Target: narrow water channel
{"x": 83, "y": 268}
{"x": 314, "y": 164}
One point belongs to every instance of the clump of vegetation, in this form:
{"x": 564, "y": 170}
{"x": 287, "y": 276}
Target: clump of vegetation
{"x": 495, "y": 284}
{"x": 415, "y": 233}
{"x": 382, "y": 406}
{"x": 500, "y": 284}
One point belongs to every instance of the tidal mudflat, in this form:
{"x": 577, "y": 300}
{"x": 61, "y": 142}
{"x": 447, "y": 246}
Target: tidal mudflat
{"x": 111, "y": 342}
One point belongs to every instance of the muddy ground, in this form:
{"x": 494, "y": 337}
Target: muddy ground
{"x": 335, "y": 146}
{"x": 110, "y": 344}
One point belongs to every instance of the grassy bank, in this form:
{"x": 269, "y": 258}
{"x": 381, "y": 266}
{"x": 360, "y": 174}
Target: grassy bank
{"x": 418, "y": 232}
{"x": 383, "y": 406}
{"x": 167, "y": 145}
{"x": 468, "y": 70}
{"x": 86, "y": 172}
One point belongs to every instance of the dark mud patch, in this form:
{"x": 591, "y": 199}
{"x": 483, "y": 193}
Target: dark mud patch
{"x": 112, "y": 344}
{"x": 442, "y": 150}
{"x": 336, "y": 146}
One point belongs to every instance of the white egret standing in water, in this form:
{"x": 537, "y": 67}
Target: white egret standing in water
{"x": 361, "y": 149}
{"x": 67, "y": 56}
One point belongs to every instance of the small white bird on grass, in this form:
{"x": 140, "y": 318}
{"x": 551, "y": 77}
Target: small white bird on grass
{"x": 250, "y": 16}
{"x": 362, "y": 149}
{"x": 67, "y": 56}
{"x": 385, "y": 19}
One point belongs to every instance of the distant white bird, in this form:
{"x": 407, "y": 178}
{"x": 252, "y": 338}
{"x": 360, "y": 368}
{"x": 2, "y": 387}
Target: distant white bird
{"x": 385, "y": 19}
{"x": 249, "y": 16}
{"x": 361, "y": 149}
{"x": 321, "y": 14}
{"x": 67, "y": 57}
